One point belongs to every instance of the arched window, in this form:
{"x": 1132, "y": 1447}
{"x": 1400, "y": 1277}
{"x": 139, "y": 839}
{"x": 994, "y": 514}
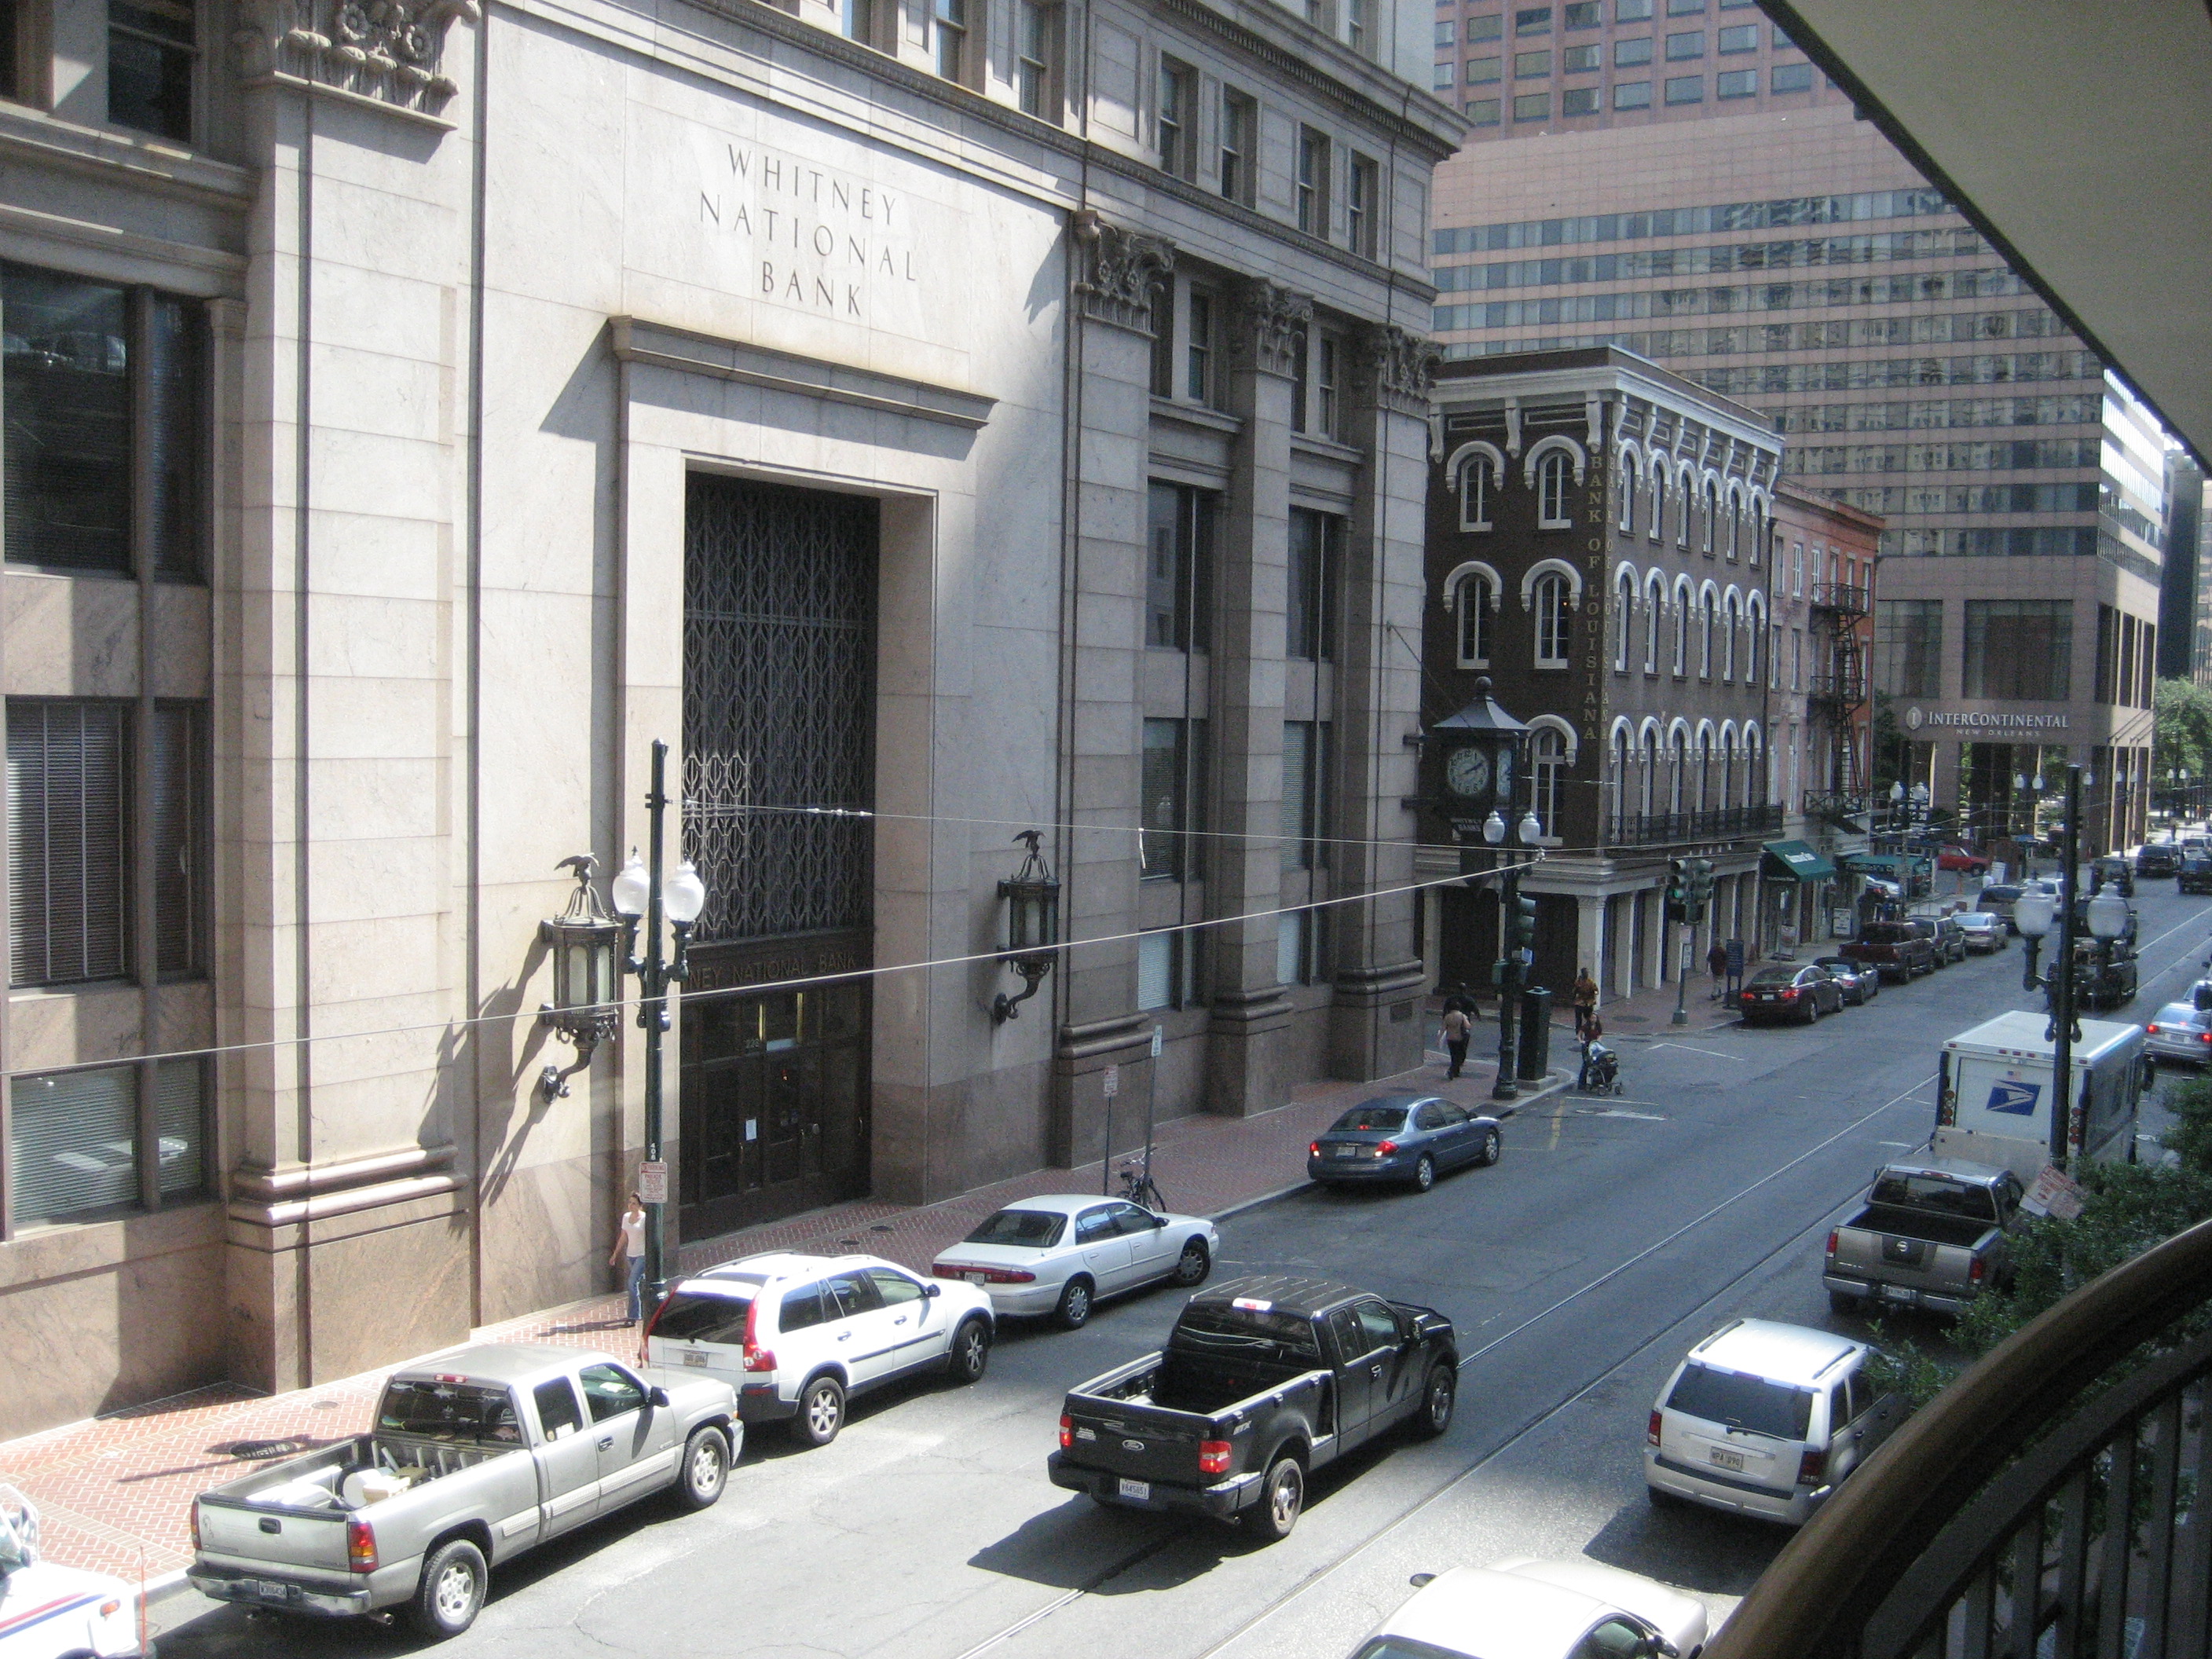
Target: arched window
{"x": 1755, "y": 621}
{"x": 1617, "y": 782}
{"x": 1475, "y": 603}
{"x": 1654, "y": 609}
{"x": 1705, "y": 634}
{"x": 1624, "y": 617}
{"x": 1678, "y": 781}
{"x": 1478, "y": 468}
{"x": 1735, "y": 524}
{"x": 1627, "y": 496}
{"x": 1553, "y": 474}
{"x": 1683, "y": 601}
{"x": 1552, "y": 613}
{"x": 1711, "y": 512}
{"x": 1658, "y": 529}
{"x": 1686, "y": 491}
{"x": 1705, "y": 768}
{"x": 1727, "y": 782}
{"x": 1728, "y": 623}
{"x": 1547, "y": 755}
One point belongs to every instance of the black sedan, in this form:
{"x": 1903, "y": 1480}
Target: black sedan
{"x": 2158, "y": 858}
{"x": 1783, "y": 992}
{"x": 1405, "y": 1138}
{"x": 1859, "y": 982}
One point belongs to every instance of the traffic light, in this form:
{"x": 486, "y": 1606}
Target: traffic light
{"x": 1521, "y": 923}
{"x": 1678, "y": 888}
{"x": 1701, "y": 888}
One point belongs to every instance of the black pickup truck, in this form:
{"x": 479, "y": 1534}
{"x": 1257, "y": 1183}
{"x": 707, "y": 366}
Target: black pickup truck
{"x": 1263, "y": 1380}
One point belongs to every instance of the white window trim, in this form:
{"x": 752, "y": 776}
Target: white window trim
{"x": 1623, "y": 593}
{"x": 1552, "y": 567}
{"x": 1560, "y": 585}
{"x": 1453, "y": 584}
{"x": 1468, "y": 454}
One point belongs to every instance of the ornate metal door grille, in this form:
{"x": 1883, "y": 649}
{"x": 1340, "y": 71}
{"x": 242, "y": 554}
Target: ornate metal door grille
{"x": 778, "y": 705}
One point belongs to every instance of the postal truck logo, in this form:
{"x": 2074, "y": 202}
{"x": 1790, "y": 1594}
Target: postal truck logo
{"x": 2013, "y": 1099}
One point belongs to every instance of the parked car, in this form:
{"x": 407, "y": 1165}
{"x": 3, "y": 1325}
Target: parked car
{"x": 1798, "y": 994}
{"x": 477, "y": 1455}
{"x": 1899, "y": 950}
{"x": 1264, "y": 1382}
{"x": 1950, "y": 938}
{"x": 1060, "y": 1252}
{"x": 1859, "y": 982}
{"x": 1958, "y": 856}
{"x": 2112, "y": 870}
{"x": 2195, "y": 875}
{"x": 2182, "y": 1032}
{"x": 1998, "y": 901}
{"x": 1930, "y": 1234}
{"x": 800, "y": 1335}
{"x": 1984, "y": 932}
{"x": 48, "y": 1611}
{"x": 2158, "y": 858}
{"x": 1402, "y": 1138}
{"x": 1766, "y": 1420}
{"x": 1532, "y": 1609}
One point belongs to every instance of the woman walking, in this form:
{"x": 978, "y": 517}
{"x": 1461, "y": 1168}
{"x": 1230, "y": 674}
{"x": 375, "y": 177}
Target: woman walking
{"x": 1457, "y": 1028}
{"x": 1585, "y": 1000}
{"x": 629, "y": 1242}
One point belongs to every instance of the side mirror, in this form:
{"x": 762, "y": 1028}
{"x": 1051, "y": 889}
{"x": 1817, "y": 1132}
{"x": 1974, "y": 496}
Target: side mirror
{"x": 1420, "y": 1580}
{"x": 1159, "y": 1221}
{"x": 933, "y": 1291}
{"x": 657, "y": 1396}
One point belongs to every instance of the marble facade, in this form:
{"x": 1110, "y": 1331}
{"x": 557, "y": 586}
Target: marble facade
{"x": 481, "y": 288}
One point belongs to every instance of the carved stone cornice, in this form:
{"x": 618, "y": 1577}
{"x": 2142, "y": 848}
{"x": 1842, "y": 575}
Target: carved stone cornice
{"x": 384, "y": 52}
{"x": 1121, "y": 270}
{"x": 1266, "y": 326}
{"x": 1398, "y": 369}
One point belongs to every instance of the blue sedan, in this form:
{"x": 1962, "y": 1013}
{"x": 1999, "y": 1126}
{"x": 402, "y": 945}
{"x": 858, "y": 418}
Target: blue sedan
{"x": 1406, "y": 1139}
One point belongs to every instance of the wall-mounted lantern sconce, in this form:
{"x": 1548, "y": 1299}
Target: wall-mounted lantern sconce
{"x": 1029, "y": 916}
{"x": 583, "y": 940}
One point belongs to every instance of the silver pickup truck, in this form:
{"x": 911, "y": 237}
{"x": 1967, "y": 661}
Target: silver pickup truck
{"x": 1931, "y": 1234}
{"x": 476, "y": 1455}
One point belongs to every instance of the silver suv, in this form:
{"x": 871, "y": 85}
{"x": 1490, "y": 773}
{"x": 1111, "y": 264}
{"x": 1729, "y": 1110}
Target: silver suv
{"x": 1763, "y": 1420}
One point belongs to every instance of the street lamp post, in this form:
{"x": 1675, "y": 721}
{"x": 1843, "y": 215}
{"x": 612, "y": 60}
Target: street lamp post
{"x": 640, "y": 895}
{"x": 2034, "y": 914}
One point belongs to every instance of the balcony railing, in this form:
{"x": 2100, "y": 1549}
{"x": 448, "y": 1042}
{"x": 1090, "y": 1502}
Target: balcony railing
{"x": 1666, "y": 828}
{"x": 1843, "y": 689}
{"x": 1829, "y": 805}
{"x": 1840, "y": 598}
{"x": 2054, "y": 1500}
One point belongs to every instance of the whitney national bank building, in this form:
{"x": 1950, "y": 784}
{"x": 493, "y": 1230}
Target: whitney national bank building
{"x": 976, "y": 414}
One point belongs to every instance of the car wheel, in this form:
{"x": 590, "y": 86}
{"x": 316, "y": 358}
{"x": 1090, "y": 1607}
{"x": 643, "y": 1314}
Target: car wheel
{"x": 706, "y": 1469}
{"x": 1493, "y": 1148}
{"x": 821, "y": 1411}
{"x": 969, "y": 1357}
{"x": 1425, "y": 1173}
{"x": 1282, "y": 1496}
{"x": 451, "y": 1592}
{"x": 1074, "y": 1310}
{"x": 1438, "y": 1399}
{"x": 1193, "y": 1264}
{"x": 1843, "y": 1302}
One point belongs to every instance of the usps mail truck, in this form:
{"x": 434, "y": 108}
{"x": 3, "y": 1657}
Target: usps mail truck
{"x": 1993, "y": 1100}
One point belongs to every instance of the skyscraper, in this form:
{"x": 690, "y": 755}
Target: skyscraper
{"x": 1678, "y": 179}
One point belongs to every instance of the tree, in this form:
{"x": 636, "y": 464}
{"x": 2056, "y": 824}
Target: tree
{"x": 2182, "y": 711}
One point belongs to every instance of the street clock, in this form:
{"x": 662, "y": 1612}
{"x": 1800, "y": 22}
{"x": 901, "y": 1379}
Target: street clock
{"x": 1476, "y": 748}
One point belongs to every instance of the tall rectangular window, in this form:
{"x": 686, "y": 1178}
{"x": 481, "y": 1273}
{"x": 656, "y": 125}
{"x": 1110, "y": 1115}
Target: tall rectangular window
{"x": 1179, "y": 572}
{"x": 1177, "y": 130}
{"x": 152, "y": 51}
{"x": 1363, "y": 183}
{"x": 1162, "y": 364}
{"x": 950, "y": 38}
{"x": 76, "y": 1147}
{"x": 1313, "y": 182}
{"x": 2019, "y": 648}
{"x": 1198, "y": 349}
{"x": 1305, "y": 793}
{"x": 74, "y": 352}
{"x": 1036, "y": 52}
{"x": 1315, "y": 557}
{"x": 1165, "y": 808}
{"x": 1908, "y": 647}
{"x": 857, "y": 18}
{"x": 1240, "y": 126}
{"x": 1301, "y": 382}
{"x": 1360, "y": 25}
{"x": 1327, "y": 361}
{"x": 179, "y": 844}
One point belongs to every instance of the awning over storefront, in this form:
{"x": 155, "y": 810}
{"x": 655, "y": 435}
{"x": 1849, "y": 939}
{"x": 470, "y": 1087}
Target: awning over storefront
{"x": 1798, "y": 862}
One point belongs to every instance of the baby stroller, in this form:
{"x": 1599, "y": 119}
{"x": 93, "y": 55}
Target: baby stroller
{"x": 1600, "y": 1074}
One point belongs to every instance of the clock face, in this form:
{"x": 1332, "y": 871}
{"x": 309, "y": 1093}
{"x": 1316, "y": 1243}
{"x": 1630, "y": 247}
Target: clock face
{"x": 1467, "y": 773}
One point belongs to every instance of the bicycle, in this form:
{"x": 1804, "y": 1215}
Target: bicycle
{"x": 1139, "y": 1187}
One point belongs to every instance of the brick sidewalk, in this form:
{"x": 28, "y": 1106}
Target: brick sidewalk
{"x": 114, "y": 1492}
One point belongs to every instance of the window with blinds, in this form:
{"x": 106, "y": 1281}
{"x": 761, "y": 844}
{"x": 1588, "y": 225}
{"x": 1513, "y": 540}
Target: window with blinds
{"x": 180, "y": 840}
{"x": 74, "y": 1147}
{"x": 68, "y": 892}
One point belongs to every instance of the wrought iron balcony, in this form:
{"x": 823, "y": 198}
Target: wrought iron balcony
{"x": 1840, "y": 598}
{"x": 1836, "y": 807}
{"x": 2053, "y": 1500}
{"x": 1668, "y": 828}
{"x": 1844, "y": 687}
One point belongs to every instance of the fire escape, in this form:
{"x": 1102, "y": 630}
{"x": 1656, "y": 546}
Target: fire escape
{"x": 1835, "y": 702}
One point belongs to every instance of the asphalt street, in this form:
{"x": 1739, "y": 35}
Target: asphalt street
{"x": 1614, "y": 1234}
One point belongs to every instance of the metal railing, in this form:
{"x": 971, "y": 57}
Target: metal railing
{"x": 1839, "y": 596}
{"x": 1832, "y": 806}
{"x": 1663, "y": 829}
{"x": 2054, "y": 1502}
{"x": 1846, "y": 687}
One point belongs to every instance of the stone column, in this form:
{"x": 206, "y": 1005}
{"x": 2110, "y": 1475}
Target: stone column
{"x": 1244, "y": 1068}
{"x": 1374, "y": 1031}
{"x": 1110, "y": 440}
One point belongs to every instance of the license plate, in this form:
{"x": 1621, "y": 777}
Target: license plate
{"x": 1344, "y": 1151}
{"x": 265, "y": 1589}
{"x": 1138, "y": 1489}
{"x": 1727, "y": 1460}
{"x": 977, "y": 1278}
{"x": 1897, "y": 1293}
{"x": 694, "y": 1357}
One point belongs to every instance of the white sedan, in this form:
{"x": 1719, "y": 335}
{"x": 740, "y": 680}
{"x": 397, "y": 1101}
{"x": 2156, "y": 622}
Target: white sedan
{"x": 1525, "y": 1609}
{"x": 1058, "y": 1253}
{"x": 48, "y": 1609}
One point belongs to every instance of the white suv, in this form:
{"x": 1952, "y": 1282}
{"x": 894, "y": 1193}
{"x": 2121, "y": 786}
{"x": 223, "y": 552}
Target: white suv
{"x": 798, "y": 1335}
{"x": 1764, "y": 1418}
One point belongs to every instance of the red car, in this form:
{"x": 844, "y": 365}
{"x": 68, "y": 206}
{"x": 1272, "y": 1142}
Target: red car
{"x": 1959, "y": 857}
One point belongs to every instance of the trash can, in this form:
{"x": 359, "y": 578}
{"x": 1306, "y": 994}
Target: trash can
{"x": 1535, "y": 1034}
